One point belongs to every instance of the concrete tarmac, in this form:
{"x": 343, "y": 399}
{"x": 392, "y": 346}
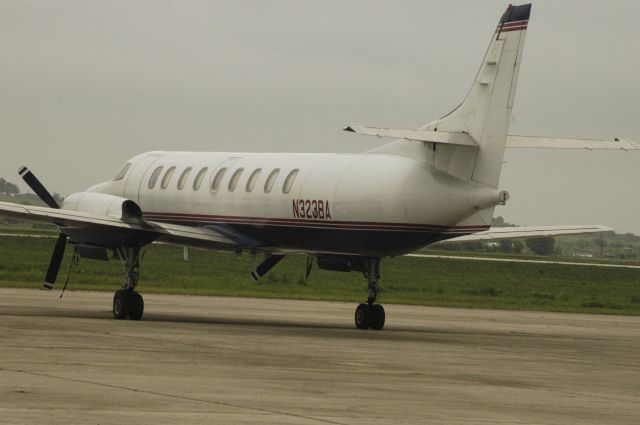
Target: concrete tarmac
{"x": 195, "y": 360}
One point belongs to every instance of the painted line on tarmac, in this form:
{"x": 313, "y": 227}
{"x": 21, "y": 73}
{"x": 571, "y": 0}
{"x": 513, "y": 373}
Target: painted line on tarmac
{"x": 514, "y": 260}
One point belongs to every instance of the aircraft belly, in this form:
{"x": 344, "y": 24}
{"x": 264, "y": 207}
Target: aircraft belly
{"x": 368, "y": 239}
{"x": 342, "y": 241}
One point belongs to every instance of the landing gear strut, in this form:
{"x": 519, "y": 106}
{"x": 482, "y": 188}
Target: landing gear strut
{"x": 127, "y": 303}
{"x": 371, "y": 315}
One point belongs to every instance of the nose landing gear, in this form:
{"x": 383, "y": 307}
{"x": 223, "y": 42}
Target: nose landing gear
{"x": 127, "y": 303}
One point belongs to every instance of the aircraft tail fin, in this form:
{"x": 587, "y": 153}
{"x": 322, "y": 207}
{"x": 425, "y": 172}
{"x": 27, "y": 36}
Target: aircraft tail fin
{"x": 485, "y": 113}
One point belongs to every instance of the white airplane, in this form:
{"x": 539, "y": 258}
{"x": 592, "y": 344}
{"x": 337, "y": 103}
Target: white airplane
{"x": 347, "y": 211}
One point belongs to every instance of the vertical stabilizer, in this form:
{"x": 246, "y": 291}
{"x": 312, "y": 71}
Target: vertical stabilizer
{"x": 486, "y": 111}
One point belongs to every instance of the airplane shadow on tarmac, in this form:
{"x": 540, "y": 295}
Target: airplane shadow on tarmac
{"x": 319, "y": 329}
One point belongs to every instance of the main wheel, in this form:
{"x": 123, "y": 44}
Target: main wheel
{"x": 121, "y": 303}
{"x": 136, "y": 306}
{"x": 377, "y": 317}
{"x": 363, "y": 316}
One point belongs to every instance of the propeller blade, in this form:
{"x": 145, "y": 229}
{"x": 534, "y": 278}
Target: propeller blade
{"x": 35, "y": 185}
{"x": 309, "y": 266}
{"x": 56, "y": 261}
{"x": 265, "y": 266}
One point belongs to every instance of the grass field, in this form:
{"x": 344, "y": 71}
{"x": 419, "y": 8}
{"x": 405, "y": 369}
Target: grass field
{"x": 438, "y": 282}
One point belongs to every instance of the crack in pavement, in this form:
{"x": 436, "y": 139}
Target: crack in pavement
{"x": 179, "y": 397}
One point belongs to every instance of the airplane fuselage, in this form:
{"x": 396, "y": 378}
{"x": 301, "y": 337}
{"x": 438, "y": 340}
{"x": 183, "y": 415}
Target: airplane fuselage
{"x": 358, "y": 204}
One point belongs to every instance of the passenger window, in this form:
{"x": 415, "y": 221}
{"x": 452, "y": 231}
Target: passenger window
{"x": 154, "y": 177}
{"x": 268, "y": 185}
{"x": 183, "y": 178}
{"x": 198, "y": 180}
{"x": 253, "y": 178}
{"x": 233, "y": 182}
{"x": 167, "y": 177}
{"x": 123, "y": 172}
{"x": 215, "y": 184}
{"x": 288, "y": 182}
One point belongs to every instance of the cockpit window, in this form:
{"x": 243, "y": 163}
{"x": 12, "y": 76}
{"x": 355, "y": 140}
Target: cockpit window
{"x": 123, "y": 172}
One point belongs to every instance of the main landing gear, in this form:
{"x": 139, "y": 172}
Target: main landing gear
{"x": 371, "y": 315}
{"x": 127, "y": 303}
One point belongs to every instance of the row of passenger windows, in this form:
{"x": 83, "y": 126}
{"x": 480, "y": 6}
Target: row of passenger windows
{"x": 217, "y": 180}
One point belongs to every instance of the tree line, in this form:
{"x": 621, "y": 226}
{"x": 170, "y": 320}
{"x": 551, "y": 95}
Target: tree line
{"x": 8, "y": 188}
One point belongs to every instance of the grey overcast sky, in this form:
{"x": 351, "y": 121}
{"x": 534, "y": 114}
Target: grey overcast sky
{"x": 84, "y": 85}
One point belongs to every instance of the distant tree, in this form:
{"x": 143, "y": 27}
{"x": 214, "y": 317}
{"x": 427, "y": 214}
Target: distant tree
{"x": 58, "y": 198}
{"x": 499, "y": 222}
{"x": 505, "y": 246}
{"x": 518, "y": 246}
{"x": 11, "y": 189}
{"x": 509, "y": 246}
{"x": 617, "y": 245}
{"x": 3, "y": 185}
{"x": 542, "y": 245}
{"x": 471, "y": 246}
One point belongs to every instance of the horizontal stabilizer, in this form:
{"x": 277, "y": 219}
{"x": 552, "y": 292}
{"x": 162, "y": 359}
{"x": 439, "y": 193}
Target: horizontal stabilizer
{"x": 513, "y": 141}
{"x": 533, "y": 142}
{"x": 449, "y": 138}
{"x": 528, "y": 232}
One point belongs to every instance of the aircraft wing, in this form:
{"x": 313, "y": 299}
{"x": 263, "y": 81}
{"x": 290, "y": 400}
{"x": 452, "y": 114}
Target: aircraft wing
{"x": 162, "y": 232}
{"x": 497, "y": 233}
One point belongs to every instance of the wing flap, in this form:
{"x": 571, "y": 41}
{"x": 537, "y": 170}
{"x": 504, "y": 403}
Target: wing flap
{"x": 497, "y": 233}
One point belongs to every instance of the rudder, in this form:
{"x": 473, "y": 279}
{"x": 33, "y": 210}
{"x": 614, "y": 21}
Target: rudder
{"x": 485, "y": 113}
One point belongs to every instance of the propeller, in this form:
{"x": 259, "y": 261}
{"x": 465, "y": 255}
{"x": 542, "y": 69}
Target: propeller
{"x": 58, "y": 251}
{"x": 32, "y": 181}
{"x": 56, "y": 261}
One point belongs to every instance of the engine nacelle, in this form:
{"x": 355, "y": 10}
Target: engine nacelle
{"x": 102, "y": 205}
{"x": 107, "y": 206}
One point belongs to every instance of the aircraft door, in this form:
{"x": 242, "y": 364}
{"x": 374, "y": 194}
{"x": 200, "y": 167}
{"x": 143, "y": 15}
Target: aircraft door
{"x": 135, "y": 177}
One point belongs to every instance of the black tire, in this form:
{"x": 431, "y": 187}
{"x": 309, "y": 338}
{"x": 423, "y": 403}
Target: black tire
{"x": 121, "y": 304}
{"x": 136, "y": 306}
{"x": 377, "y": 317}
{"x": 363, "y": 316}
